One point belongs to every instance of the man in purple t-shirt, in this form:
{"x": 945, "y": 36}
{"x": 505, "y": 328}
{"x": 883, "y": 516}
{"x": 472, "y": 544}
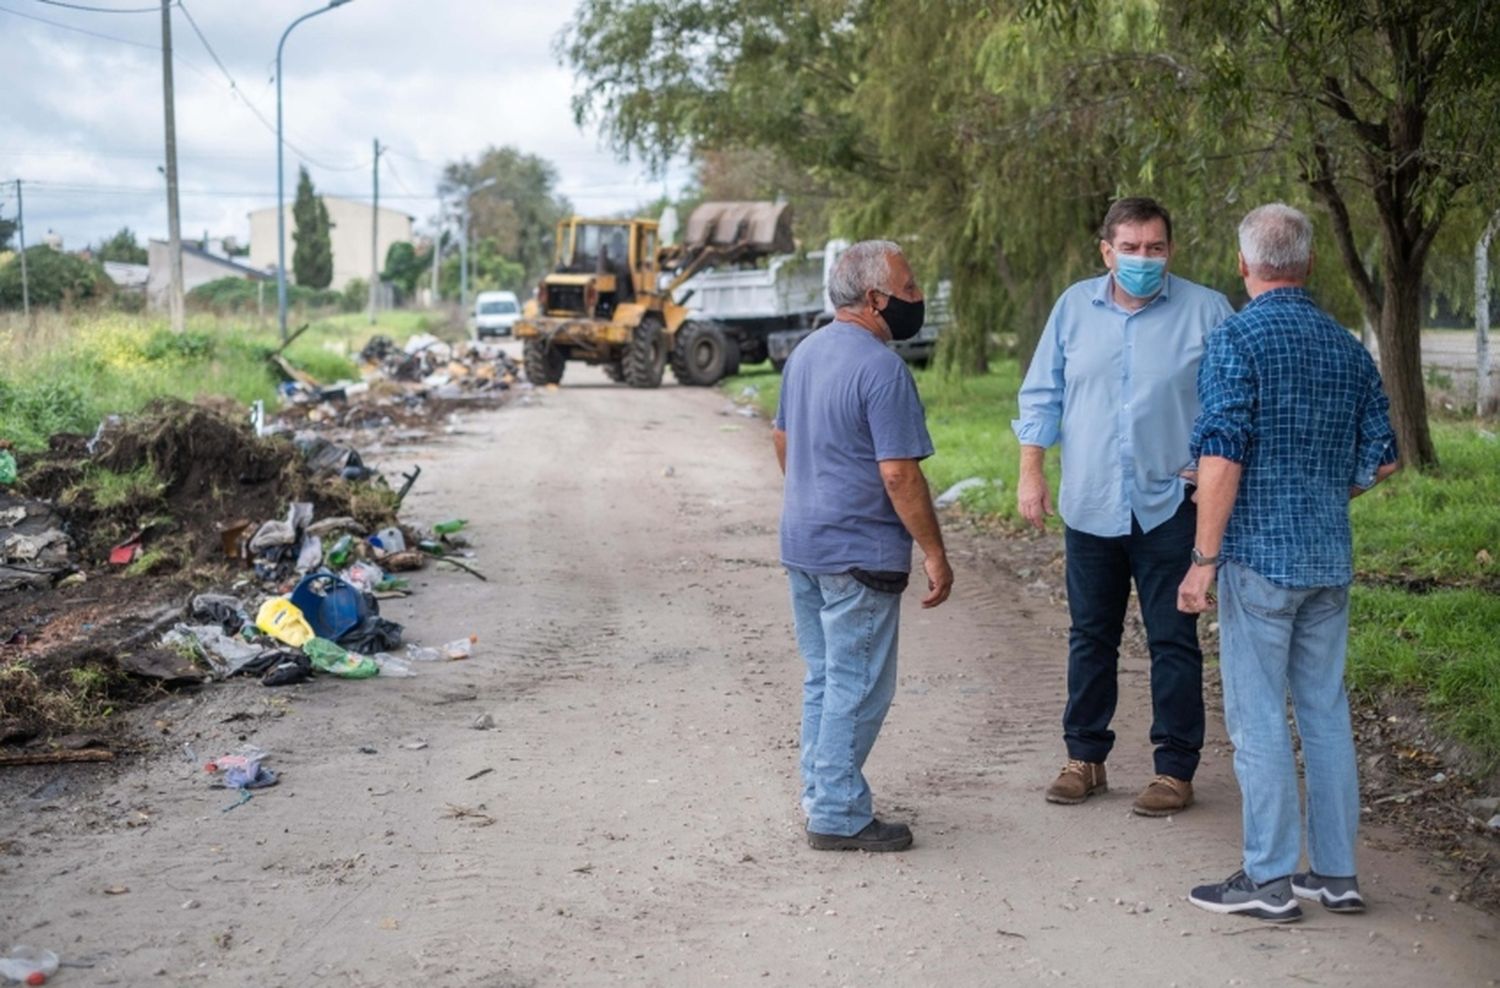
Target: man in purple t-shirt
{"x": 850, "y": 434}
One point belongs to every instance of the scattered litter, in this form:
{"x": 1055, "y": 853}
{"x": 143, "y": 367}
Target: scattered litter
{"x": 459, "y": 648}
{"x": 225, "y": 654}
{"x": 244, "y": 769}
{"x": 414, "y": 745}
{"x": 7, "y": 468}
{"x": 116, "y": 889}
{"x": 29, "y": 965}
{"x": 477, "y": 816}
{"x": 390, "y": 666}
{"x": 284, "y": 621}
{"x": 326, "y": 656}
{"x": 483, "y": 722}
{"x": 478, "y": 775}
{"x": 365, "y": 749}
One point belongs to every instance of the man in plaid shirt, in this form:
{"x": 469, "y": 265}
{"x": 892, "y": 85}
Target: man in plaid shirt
{"x": 1294, "y": 423}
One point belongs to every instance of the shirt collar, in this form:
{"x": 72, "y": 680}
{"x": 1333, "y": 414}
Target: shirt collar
{"x": 1293, "y": 294}
{"x": 1104, "y": 294}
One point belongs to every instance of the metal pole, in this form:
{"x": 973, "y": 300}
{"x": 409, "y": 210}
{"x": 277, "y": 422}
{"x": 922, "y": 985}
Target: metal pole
{"x": 174, "y": 224}
{"x": 375, "y": 235}
{"x": 21, "y": 239}
{"x": 1483, "y": 395}
{"x": 463, "y": 259}
{"x": 281, "y": 171}
{"x": 437, "y": 258}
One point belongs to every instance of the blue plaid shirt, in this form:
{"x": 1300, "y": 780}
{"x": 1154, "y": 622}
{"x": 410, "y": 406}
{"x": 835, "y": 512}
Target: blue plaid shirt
{"x": 1294, "y": 398}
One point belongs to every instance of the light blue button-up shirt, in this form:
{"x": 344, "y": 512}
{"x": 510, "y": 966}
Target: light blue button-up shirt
{"x": 1119, "y": 390}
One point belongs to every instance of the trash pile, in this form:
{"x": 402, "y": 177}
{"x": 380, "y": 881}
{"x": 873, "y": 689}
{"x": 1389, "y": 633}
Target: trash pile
{"x": 403, "y": 388}
{"x": 186, "y": 543}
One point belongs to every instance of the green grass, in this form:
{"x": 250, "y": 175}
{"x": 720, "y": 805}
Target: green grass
{"x": 110, "y": 489}
{"x": 1443, "y": 644}
{"x": 1439, "y": 527}
{"x": 1425, "y": 619}
{"x": 64, "y": 372}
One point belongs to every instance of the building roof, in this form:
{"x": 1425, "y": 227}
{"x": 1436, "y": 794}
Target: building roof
{"x": 226, "y": 262}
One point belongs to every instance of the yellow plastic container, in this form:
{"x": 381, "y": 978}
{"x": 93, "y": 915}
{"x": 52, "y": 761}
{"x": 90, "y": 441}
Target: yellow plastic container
{"x": 283, "y": 620}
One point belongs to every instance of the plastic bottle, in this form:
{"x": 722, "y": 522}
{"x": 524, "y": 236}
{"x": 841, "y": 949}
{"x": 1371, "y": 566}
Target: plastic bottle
{"x": 392, "y": 666}
{"x": 459, "y": 648}
{"x": 450, "y": 526}
{"x": 25, "y": 965}
{"x": 283, "y": 620}
{"x": 341, "y": 551}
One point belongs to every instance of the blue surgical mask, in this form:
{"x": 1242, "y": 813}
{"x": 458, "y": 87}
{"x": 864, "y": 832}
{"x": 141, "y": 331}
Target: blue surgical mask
{"x": 1140, "y": 277}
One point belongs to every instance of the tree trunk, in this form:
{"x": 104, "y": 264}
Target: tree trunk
{"x": 1400, "y": 335}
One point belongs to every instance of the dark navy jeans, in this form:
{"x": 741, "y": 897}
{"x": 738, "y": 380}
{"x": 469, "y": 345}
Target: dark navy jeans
{"x": 1099, "y": 573}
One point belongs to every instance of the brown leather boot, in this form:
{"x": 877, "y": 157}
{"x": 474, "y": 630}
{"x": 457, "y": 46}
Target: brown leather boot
{"x": 1077, "y": 781}
{"x": 1164, "y": 796}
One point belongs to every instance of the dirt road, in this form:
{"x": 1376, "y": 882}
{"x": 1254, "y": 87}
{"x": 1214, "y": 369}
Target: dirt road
{"x": 632, "y": 817}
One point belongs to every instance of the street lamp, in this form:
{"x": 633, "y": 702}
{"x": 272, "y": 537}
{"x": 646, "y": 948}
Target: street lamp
{"x": 280, "y": 172}
{"x": 463, "y": 245}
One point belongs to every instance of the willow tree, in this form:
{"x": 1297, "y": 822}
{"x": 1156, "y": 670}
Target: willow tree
{"x": 1386, "y": 111}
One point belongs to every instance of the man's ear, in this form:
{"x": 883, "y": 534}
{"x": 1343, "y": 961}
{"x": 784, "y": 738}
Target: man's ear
{"x": 1244, "y": 268}
{"x": 1106, "y": 252}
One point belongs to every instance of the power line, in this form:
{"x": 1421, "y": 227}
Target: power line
{"x": 234, "y": 89}
{"x": 102, "y": 10}
{"x": 82, "y": 30}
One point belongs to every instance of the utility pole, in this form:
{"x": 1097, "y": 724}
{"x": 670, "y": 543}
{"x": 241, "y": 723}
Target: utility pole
{"x": 375, "y": 236}
{"x": 463, "y": 258}
{"x": 21, "y": 239}
{"x": 437, "y": 257}
{"x": 174, "y": 226}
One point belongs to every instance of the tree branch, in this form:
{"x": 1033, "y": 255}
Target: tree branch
{"x": 1323, "y": 186}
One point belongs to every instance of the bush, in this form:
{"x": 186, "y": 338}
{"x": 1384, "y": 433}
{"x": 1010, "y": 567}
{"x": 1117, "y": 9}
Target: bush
{"x": 356, "y": 296}
{"x": 232, "y": 294}
{"x": 53, "y": 279}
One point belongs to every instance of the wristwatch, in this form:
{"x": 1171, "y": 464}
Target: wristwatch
{"x": 1199, "y": 559}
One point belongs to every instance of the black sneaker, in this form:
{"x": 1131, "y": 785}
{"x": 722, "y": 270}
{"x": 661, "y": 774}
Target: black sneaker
{"x": 876, "y": 836}
{"x": 1271, "y": 901}
{"x": 1338, "y": 895}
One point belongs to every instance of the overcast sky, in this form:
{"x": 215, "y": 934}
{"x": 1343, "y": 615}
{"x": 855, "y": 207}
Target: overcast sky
{"x": 435, "y": 80}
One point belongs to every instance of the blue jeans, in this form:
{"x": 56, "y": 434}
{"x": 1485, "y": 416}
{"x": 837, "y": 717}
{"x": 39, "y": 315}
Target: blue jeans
{"x": 846, "y": 633}
{"x": 1099, "y": 571}
{"x": 1272, "y": 639}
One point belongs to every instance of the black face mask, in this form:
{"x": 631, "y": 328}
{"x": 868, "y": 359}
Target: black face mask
{"x": 903, "y": 318}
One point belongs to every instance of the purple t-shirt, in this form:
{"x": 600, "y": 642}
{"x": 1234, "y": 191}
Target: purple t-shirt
{"x": 847, "y": 402}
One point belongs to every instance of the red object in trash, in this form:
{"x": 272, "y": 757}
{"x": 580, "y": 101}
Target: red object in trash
{"x": 36, "y": 978}
{"x": 124, "y": 554}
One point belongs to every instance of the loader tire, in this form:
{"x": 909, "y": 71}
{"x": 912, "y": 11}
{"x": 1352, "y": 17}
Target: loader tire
{"x": 544, "y": 364}
{"x": 701, "y": 354}
{"x": 614, "y": 370}
{"x": 645, "y": 355}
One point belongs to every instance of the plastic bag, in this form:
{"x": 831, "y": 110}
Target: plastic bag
{"x": 7, "y": 468}
{"x": 331, "y": 658}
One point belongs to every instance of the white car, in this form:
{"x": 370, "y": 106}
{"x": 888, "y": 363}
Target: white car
{"x": 495, "y": 313}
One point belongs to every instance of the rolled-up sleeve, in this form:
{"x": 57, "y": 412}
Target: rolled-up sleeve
{"x": 1226, "y": 391}
{"x": 1376, "y": 445}
{"x": 1041, "y": 396}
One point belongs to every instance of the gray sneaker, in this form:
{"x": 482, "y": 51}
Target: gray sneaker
{"x": 1271, "y": 901}
{"x": 1338, "y": 895}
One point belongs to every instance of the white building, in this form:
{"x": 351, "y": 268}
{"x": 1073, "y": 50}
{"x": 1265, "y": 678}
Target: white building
{"x": 349, "y": 221}
{"x": 199, "y": 267}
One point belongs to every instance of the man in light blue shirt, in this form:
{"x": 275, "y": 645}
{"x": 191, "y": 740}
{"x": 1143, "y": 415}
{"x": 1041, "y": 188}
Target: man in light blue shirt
{"x": 1114, "y": 379}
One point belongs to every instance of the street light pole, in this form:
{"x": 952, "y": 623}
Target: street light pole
{"x": 280, "y": 173}
{"x": 463, "y": 244}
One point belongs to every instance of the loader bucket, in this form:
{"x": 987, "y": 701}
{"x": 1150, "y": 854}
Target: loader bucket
{"x": 754, "y": 227}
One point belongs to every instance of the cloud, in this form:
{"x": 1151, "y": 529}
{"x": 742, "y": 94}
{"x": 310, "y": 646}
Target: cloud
{"x": 81, "y": 119}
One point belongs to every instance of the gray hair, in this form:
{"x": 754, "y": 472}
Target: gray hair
{"x": 861, "y": 267}
{"x": 1276, "y": 241}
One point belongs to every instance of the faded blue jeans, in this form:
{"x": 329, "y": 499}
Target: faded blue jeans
{"x": 846, "y": 633}
{"x": 1273, "y": 639}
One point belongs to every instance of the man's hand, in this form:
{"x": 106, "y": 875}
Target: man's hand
{"x": 939, "y": 580}
{"x": 1033, "y": 499}
{"x": 1193, "y": 593}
